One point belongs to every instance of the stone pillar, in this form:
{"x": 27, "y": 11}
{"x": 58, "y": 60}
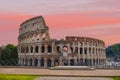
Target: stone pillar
{"x": 33, "y": 50}
{"x": 75, "y": 60}
{"x": 33, "y": 62}
{"x": 60, "y": 61}
{"x": 46, "y": 49}
{"x": 45, "y": 62}
{"x": 52, "y": 61}
{"x": 28, "y": 62}
{"x": 79, "y": 51}
{"x": 39, "y": 62}
{"x": 69, "y": 49}
{"x": 83, "y": 53}
{"x": 91, "y": 56}
{"x": 53, "y": 48}
{"x": 69, "y": 61}
{"x": 39, "y": 49}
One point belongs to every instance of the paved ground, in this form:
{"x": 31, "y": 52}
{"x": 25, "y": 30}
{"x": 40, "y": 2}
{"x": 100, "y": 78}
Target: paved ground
{"x": 34, "y": 71}
{"x": 72, "y": 78}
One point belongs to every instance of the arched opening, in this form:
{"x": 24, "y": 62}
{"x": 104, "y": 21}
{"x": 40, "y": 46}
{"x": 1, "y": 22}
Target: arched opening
{"x": 58, "y": 49}
{"x": 36, "y": 49}
{"x": 26, "y": 62}
{"x": 49, "y": 49}
{"x": 23, "y": 61}
{"x": 48, "y": 62}
{"x": 30, "y": 62}
{"x": 56, "y": 62}
{"x": 42, "y": 62}
{"x": 90, "y": 50}
{"x": 31, "y": 49}
{"x": 81, "y": 62}
{"x": 76, "y": 49}
{"x": 93, "y": 61}
{"x": 23, "y": 50}
{"x": 86, "y": 62}
{"x": 81, "y": 50}
{"x": 71, "y": 49}
{"x": 36, "y": 62}
{"x": 42, "y": 49}
{"x": 90, "y": 62}
{"x": 27, "y": 49}
{"x": 71, "y": 62}
{"x": 85, "y": 50}
{"x": 65, "y": 49}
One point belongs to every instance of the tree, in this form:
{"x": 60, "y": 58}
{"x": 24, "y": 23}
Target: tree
{"x": 113, "y": 51}
{"x": 9, "y": 56}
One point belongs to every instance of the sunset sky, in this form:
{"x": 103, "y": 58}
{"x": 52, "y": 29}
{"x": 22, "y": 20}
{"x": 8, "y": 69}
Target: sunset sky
{"x": 90, "y": 18}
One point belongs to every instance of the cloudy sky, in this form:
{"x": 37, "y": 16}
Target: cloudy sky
{"x": 92, "y": 18}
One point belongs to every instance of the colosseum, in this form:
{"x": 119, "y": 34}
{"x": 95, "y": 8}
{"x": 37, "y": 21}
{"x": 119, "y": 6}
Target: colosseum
{"x": 36, "y": 48}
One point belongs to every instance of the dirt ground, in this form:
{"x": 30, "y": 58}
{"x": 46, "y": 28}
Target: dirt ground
{"x": 37, "y": 71}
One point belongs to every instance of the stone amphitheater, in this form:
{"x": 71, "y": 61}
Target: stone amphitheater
{"x": 36, "y": 48}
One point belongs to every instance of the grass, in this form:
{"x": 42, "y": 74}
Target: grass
{"x": 17, "y": 77}
{"x": 31, "y": 77}
{"x": 116, "y": 78}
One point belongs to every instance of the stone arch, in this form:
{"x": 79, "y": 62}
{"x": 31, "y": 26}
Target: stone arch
{"x": 36, "y": 49}
{"x": 86, "y": 62}
{"x": 71, "y": 49}
{"x": 27, "y": 49}
{"x": 23, "y": 61}
{"x": 81, "y": 50}
{"x": 56, "y": 62}
{"x": 31, "y": 49}
{"x": 49, "y": 49}
{"x": 85, "y": 50}
{"x": 65, "y": 49}
{"x": 76, "y": 49}
{"x": 36, "y": 62}
{"x": 58, "y": 49}
{"x": 72, "y": 62}
{"x": 49, "y": 62}
{"x": 30, "y": 62}
{"x": 42, "y": 49}
{"x": 42, "y": 62}
{"x": 26, "y": 62}
{"x": 90, "y": 50}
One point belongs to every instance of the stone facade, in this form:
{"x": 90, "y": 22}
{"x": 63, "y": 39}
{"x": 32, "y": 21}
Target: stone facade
{"x": 36, "y": 48}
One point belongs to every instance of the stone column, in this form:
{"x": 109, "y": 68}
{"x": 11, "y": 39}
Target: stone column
{"x": 60, "y": 61}
{"x": 91, "y": 56}
{"x": 46, "y": 49}
{"x": 39, "y": 49}
{"x": 52, "y": 61}
{"x": 53, "y": 48}
{"x": 69, "y": 49}
{"x": 79, "y": 51}
{"x": 75, "y": 60}
{"x": 83, "y": 53}
{"x": 69, "y": 61}
{"x": 45, "y": 62}
{"x": 28, "y": 62}
{"x": 39, "y": 62}
{"x": 33, "y": 62}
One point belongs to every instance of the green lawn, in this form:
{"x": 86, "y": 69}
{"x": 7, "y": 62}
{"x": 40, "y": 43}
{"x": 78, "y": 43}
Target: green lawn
{"x": 115, "y": 78}
{"x": 17, "y": 77}
{"x": 29, "y": 77}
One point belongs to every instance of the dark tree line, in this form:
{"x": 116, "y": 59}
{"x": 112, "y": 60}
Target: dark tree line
{"x": 9, "y": 56}
{"x": 113, "y": 51}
